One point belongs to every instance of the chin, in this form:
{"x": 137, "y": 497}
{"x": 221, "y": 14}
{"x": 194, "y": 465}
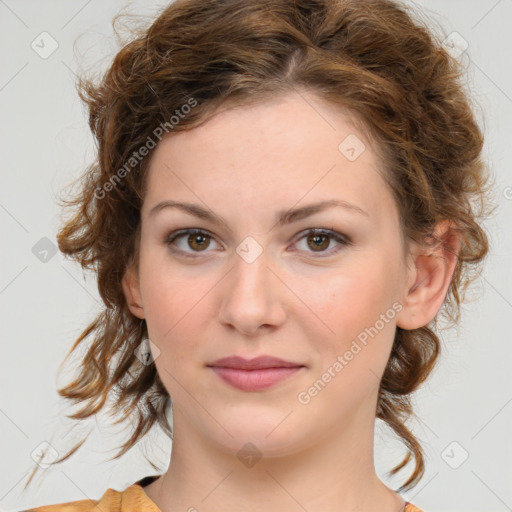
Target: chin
{"x": 268, "y": 433}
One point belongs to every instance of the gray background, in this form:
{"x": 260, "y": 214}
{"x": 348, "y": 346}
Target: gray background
{"x": 46, "y": 301}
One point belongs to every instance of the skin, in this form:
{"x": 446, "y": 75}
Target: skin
{"x": 294, "y": 301}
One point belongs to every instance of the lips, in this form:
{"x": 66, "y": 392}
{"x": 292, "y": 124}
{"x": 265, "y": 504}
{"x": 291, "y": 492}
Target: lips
{"x": 257, "y": 363}
{"x": 254, "y": 374}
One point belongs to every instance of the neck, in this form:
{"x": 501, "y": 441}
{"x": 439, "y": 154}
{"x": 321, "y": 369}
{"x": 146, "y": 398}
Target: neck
{"x": 335, "y": 473}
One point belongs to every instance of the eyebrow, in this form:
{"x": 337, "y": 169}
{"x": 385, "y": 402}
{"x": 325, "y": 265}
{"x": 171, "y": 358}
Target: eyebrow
{"x": 282, "y": 217}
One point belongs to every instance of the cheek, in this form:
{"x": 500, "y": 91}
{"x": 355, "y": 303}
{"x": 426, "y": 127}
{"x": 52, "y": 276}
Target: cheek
{"x": 173, "y": 312}
{"x": 351, "y": 361}
{"x": 356, "y": 305}
{"x": 171, "y": 303}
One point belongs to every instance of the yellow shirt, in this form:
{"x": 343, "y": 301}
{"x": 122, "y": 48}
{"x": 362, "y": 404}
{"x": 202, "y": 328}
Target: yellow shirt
{"x": 132, "y": 499}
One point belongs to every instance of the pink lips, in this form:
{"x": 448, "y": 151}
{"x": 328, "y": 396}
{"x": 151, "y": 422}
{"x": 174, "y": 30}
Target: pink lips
{"x": 254, "y": 374}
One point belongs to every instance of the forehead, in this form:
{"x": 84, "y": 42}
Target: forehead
{"x": 273, "y": 154}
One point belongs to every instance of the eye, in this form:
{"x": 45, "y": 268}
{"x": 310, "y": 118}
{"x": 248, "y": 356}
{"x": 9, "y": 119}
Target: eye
{"x": 199, "y": 240}
{"x": 319, "y": 239}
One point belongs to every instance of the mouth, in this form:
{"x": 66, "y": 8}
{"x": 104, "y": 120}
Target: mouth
{"x": 254, "y": 374}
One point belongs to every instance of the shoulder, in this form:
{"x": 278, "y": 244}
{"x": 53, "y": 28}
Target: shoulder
{"x": 110, "y": 498}
{"x": 132, "y": 498}
{"x": 409, "y": 507}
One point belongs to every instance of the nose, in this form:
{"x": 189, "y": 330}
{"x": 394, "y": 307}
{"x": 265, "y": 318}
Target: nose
{"x": 252, "y": 296}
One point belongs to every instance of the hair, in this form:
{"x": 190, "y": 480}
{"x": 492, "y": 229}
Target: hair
{"x": 373, "y": 58}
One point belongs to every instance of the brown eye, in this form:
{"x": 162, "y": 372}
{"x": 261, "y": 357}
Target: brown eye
{"x": 189, "y": 241}
{"x": 318, "y": 241}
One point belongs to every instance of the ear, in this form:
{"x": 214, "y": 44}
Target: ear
{"x": 131, "y": 290}
{"x": 429, "y": 277}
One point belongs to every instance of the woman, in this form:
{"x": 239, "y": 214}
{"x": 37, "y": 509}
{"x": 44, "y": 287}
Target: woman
{"x": 282, "y": 206}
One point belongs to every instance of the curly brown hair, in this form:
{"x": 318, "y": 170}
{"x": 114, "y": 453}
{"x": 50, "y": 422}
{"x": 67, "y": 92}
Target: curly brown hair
{"x": 374, "y": 57}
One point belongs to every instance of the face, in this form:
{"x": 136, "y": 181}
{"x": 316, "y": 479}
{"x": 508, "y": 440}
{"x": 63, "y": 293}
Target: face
{"x": 254, "y": 280}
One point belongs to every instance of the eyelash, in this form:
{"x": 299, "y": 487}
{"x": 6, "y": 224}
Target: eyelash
{"x": 342, "y": 240}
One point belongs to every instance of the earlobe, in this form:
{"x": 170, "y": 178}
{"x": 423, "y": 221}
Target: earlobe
{"x": 131, "y": 290}
{"x": 431, "y": 276}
